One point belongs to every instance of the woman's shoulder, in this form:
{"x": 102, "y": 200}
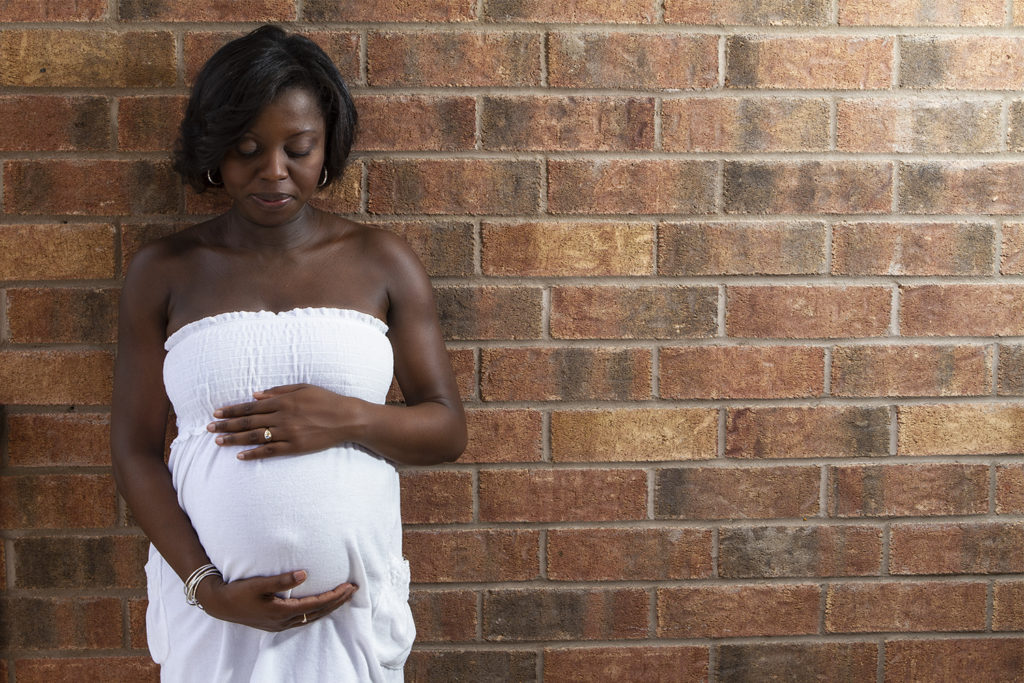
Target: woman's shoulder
{"x": 374, "y": 242}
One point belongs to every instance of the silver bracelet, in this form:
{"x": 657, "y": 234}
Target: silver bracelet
{"x": 192, "y": 582}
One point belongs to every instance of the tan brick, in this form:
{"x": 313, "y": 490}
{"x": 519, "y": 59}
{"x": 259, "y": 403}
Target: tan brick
{"x": 1008, "y": 607}
{"x": 46, "y": 58}
{"x": 807, "y": 312}
{"x": 962, "y": 62}
{"x": 737, "y": 611}
{"x": 830, "y": 661}
{"x": 44, "y": 377}
{"x": 961, "y": 187}
{"x": 634, "y": 435}
{"x": 1010, "y": 489}
{"x": 46, "y": 563}
{"x": 447, "y": 11}
{"x": 553, "y": 123}
{"x": 122, "y": 669}
{"x": 445, "y": 248}
{"x": 807, "y": 432}
{"x": 503, "y": 436}
{"x": 905, "y": 607}
{"x": 918, "y": 127}
{"x": 70, "y": 187}
{"x": 921, "y": 13}
{"x": 415, "y": 122}
{"x": 628, "y": 554}
{"x": 764, "y": 248}
{"x": 473, "y": 555}
{"x": 917, "y": 370}
{"x": 436, "y": 496}
{"x": 33, "y": 10}
{"x": 48, "y": 122}
{"x": 1012, "y": 253}
{"x": 61, "y": 439}
{"x": 747, "y": 12}
{"x": 454, "y": 58}
{"x": 149, "y": 123}
{"x": 565, "y": 374}
{"x": 614, "y": 186}
{"x": 968, "y": 310}
{"x": 1015, "y": 126}
{"x": 546, "y": 614}
{"x": 547, "y": 495}
{"x": 459, "y": 186}
{"x": 426, "y": 666}
{"x": 954, "y": 660}
{"x": 39, "y": 315}
{"x": 444, "y": 616}
{"x": 571, "y": 11}
{"x": 747, "y": 493}
{"x": 674, "y": 312}
{"x": 741, "y": 372}
{"x": 55, "y": 501}
{"x": 250, "y": 10}
{"x": 871, "y": 248}
{"x": 907, "y": 490}
{"x": 567, "y": 249}
{"x": 610, "y": 664}
{"x": 732, "y": 124}
{"x": 56, "y": 252}
{"x": 960, "y": 429}
{"x": 983, "y": 548}
{"x": 489, "y": 312}
{"x": 812, "y": 187}
{"x": 809, "y": 62}
{"x": 769, "y": 552}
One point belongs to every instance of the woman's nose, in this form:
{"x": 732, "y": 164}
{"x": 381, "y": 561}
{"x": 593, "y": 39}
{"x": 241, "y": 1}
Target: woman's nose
{"x": 276, "y": 166}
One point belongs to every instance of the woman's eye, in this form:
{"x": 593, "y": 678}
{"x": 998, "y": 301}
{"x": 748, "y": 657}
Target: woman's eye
{"x": 299, "y": 153}
{"x": 247, "y": 151}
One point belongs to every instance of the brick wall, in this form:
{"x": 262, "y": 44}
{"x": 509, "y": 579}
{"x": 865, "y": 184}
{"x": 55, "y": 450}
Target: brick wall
{"x": 733, "y": 289}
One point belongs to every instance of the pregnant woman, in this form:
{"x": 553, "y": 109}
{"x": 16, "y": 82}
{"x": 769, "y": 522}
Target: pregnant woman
{"x": 274, "y": 330}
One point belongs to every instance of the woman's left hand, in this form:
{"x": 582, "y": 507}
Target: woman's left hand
{"x": 287, "y": 420}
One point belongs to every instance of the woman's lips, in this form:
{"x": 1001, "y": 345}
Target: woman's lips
{"x": 271, "y": 200}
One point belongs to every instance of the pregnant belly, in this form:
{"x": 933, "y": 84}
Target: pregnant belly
{"x": 333, "y": 513}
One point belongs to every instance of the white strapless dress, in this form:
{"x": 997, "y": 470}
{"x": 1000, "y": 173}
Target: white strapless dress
{"x": 334, "y": 513}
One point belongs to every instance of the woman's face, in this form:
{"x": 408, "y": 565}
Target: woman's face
{"x": 274, "y": 168}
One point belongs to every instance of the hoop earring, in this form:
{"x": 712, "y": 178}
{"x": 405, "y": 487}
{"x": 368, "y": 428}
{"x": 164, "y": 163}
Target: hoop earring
{"x": 323, "y": 178}
{"x": 209, "y": 179}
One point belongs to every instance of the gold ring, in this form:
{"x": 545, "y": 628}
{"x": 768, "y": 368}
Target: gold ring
{"x": 303, "y": 618}
{"x": 266, "y": 434}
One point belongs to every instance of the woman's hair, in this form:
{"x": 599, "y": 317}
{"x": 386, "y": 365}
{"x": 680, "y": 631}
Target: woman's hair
{"x": 242, "y": 78}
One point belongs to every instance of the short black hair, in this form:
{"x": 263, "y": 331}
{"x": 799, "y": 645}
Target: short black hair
{"x": 242, "y": 78}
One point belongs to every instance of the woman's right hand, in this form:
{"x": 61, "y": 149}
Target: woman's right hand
{"x": 254, "y": 602}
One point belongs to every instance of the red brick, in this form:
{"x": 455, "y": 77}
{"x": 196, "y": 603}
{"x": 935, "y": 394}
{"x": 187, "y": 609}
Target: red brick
{"x": 807, "y": 432}
{"x": 908, "y": 490}
{"x": 444, "y": 247}
{"x": 343, "y": 196}
{"x": 809, "y": 62}
{"x": 446, "y": 11}
{"x": 149, "y": 123}
{"x": 871, "y": 248}
{"x": 832, "y": 661}
{"x": 747, "y": 12}
{"x": 567, "y": 249}
{"x": 812, "y": 187}
{"x": 620, "y": 186}
{"x": 769, "y": 552}
{"x": 545, "y": 614}
{"x": 62, "y": 315}
{"x": 962, "y": 310}
{"x": 454, "y": 58}
{"x": 416, "y": 122}
{"x": 674, "y": 312}
{"x": 427, "y": 666}
{"x": 571, "y": 11}
{"x": 962, "y": 62}
{"x": 473, "y": 555}
{"x": 459, "y": 186}
{"x": 564, "y": 374}
{"x": 52, "y": 377}
{"x": 83, "y": 59}
{"x": 554, "y": 123}
{"x": 918, "y": 127}
{"x": 764, "y": 248}
{"x": 54, "y": 501}
{"x": 444, "y": 616}
{"x": 33, "y": 10}
{"x": 905, "y": 607}
{"x": 742, "y": 372}
{"x": 219, "y": 10}
{"x": 952, "y": 429}
{"x": 954, "y": 660}
{"x": 737, "y": 493}
{"x": 136, "y": 235}
{"x": 430, "y": 496}
{"x": 1010, "y": 489}
{"x": 921, "y": 13}
{"x": 80, "y": 562}
{"x": 638, "y": 61}
{"x": 917, "y": 370}
{"x": 1008, "y": 607}
{"x": 682, "y": 663}
{"x": 503, "y": 436}
{"x": 634, "y": 435}
{"x": 628, "y": 554}
{"x": 47, "y": 122}
{"x": 137, "y": 623}
{"x": 70, "y": 187}
{"x": 490, "y": 312}
{"x": 120, "y": 669}
{"x": 737, "y": 611}
{"x": 36, "y": 623}
{"x": 464, "y": 366}
{"x": 62, "y": 439}
{"x": 56, "y": 252}
{"x": 550, "y": 495}
{"x": 983, "y": 548}
{"x": 989, "y": 188}
{"x": 731, "y": 124}
{"x": 807, "y": 312}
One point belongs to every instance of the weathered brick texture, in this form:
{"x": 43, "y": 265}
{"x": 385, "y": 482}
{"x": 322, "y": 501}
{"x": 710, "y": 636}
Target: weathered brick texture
{"x": 732, "y": 290}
